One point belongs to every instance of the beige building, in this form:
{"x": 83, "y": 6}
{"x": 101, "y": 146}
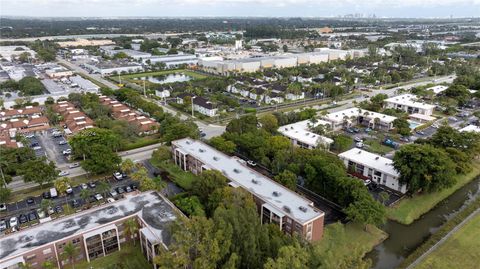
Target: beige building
{"x": 80, "y": 42}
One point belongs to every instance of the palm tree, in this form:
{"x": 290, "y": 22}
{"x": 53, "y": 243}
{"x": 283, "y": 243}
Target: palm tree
{"x": 131, "y": 228}
{"x": 85, "y": 194}
{"x": 48, "y": 265}
{"x": 103, "y": 187}
{"x": 24, "y": 265}
{"x": 69, "y": 251}
{"x": 127, "y": 166}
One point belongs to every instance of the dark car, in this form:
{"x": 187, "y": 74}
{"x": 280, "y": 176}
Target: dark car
{"x": 120, "y": 190}
{"x": 128, "y": 189}
{"x": 58, "y": 209}
{"x": 30, "y": 200}
{"x": 75, "y": 203}
{"x": 202, "y": 134}
{"x": 91, "y": 184}
{"x": 134, "y": 187}
{"x": 34, "y": 144}
{"x": 356, "y": 130}
{"x": 22, "y": 219}
{"x": 46, "y": 195}
{"x": 349, "y": 130}
{"x": 32, "y": 216}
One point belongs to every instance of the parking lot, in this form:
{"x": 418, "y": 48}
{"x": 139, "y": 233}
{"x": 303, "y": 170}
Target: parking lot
{"x": 46, "y": 144}
{"x": 26, "y": 210}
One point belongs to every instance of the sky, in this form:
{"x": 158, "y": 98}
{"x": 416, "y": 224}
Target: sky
{"x": 240, "y": 8}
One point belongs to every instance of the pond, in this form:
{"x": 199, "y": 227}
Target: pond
{"x": 167, "y": 78}
{"x": 404, "y": 239}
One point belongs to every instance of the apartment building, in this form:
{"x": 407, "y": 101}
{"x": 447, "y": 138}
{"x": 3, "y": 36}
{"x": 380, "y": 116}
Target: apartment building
{"x": 410, "y": 104}
{"x": 300, "y": 134}
{"x": 119, "y": 111}
{"x": 351, "y": 116}
{"x": 95, "y": 233}
{"x": 200, "y": 104}
{"x": 292, "y": 213}
{"x": 74, "y": 120}
{"x": 367, "y": 165}
{"x": 28, "y": 111}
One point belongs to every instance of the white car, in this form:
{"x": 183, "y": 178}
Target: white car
{"x": 251, "y": 163}
{"x": 358, "y": 139}
{"x": 110, "y": 200}
{"x": 84, "y": 186}
{"x": 74, "y": 165}
{"x": 367, "y": 182}
{"x": 41, "y": 214}
{"x": 98, "y": 196}
{"x": 3, "y": 207}
{"x": 359, "y": 144}
{"x": 63, "y": 173}
{"x": 67, "y": 152}
{"x": 69, "y": 189}
{"x": 30, "y": 136}
{"x": 117, "y": 176}
{"x": 13, "y": 221}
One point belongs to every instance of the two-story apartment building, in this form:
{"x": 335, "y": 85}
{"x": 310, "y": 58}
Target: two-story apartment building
{"x": 410, "y": 104}
{"x": 292, "y": 213}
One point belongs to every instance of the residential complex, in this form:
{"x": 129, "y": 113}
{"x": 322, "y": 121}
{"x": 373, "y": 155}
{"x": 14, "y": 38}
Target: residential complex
{"x": 349, "y": 116}
{"x": 199, "y": 104}
{"x": 95, "y": 233}
{"x": 410, "y": 104}
{"x": 276, "y": 203}
{"x": 367, "y": 165}
{"x": 301, "y": 135}
{"x": 20, "y": 121}
{"x": 74, "y": 120}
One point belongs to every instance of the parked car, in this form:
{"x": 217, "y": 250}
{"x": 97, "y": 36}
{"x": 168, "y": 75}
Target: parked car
{"x": 251, "y": 163}
{"x": 32, "y": 216}
{"x": 13, "y": 221}
{"x": 30, "y": 136}
{"x": 98, "y": 197}
{"x": 404, "y": 139}
{"x": 30, "y": 200}
{"x": 73, "y": 165}
{"x": 356, "y": 130}
{"x": 128, "y": 189}
{"x": 366, "y": 182}
{"x": 67, "y": 152}
{"x": 117, "y": 176}
{"x": 69, "y": 189}
{"x": 389, "y": 142}
{"x": 91, "y": 184}
{"x": 58, "y": 209}
{"x": 420, "y": 132}
{"x": 3, "y": 207}
{"x": 22, "y": 219}
{"x": 134, "y": 187}
{"x": 359, "y": 145}
{"x": 3, "y": 225}
{"x": 63, "y": 142}
{"x": 63, "y": 173}
{"x": 120, "y": 190}
{"x": 41, "y": 214}
{"x": 46, "y": 195}
{"x": 50, "y": 210}
{"x": 34, "y": 144}
{"x": 84, "y": 186}
{"x": 75, "y": 203}
{"x": 113, "y": 193}
{"x": 357, "y": 139}
{"x": 110, "y": 200}
{"x": 53, "y": 192}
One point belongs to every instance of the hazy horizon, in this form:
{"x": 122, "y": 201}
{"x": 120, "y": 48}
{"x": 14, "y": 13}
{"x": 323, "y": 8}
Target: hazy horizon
{"x": 238, "y": 8}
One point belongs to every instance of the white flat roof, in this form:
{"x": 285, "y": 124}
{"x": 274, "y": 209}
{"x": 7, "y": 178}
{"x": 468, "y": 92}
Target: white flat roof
{"x": 273, "y": 193}
{"x": 357, "y": 112}
{"x": 300, "y": 132}
{"x": 408, "y": 100}
{"x": 369, "y": 159}
{"x": 437, "y": 89}
{"x": 471, "y": 128}
{"x": 422, "y": 117}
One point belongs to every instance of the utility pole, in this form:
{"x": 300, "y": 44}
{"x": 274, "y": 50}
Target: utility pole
{"x": 193, "y": 97}
{"x": 144, "y": 91}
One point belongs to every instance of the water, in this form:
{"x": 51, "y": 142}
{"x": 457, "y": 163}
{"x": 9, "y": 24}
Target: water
{"x": 170, "y": 78}
{"x": 403, "y": 239}
{"x": 413, "y": 124}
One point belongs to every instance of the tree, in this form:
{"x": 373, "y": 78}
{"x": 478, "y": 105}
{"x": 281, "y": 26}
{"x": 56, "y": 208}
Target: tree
{"x": 162, "y": 154}
{"x": 223, "y": 145}
{"x": 83, "y": 142}
{"x": 288, "y": 179}
{"x": 191, "y": 205}
{"x": 269, "y": 122}
{"x": 45, "y": 204}
{"x": 366, "y": 211}
{"x": 383, "y": 196}
{"x": 245, "y": 124}
{"x": 207, "y": 183}
{"x": 459, "y": 93}
{"x": 69, "y": 251}
{"x": 289, "y": 257}
{"x": 180, "y": 130}
{"x": 103, "y": 187}
{"x": 131, "y": 229}
{"x": 101, "y": 159}
{"x": 423, "y": 167}
{"x": 62, "y": 185}
{"x": 5, "y": 194}
{"x": 39, "y": 170}
{"x": 127, "y": 166}
{"x": 196, "y": 244}
{"x": 48, "y": 265}
{"x": 341, "y": 143}
{"x": 85, "y": 195}
{"x": 402, "y": 126}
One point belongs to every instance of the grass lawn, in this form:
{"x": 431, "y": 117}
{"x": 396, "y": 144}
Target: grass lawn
{"x": 341, "y": 240}
{"x": 129, "y": 257}
{"x": 410, "y": 209}
{"x": 177, "y": 175}
{"x": 376, "y": 147}
{"x": 461, "y": 250}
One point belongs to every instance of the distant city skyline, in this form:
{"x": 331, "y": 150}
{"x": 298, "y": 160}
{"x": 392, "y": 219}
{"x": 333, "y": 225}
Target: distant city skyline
{"x": 240, "y": 8}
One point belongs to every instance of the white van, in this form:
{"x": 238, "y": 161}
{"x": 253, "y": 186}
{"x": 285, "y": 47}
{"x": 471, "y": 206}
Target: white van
{"x": 53, "y": 193}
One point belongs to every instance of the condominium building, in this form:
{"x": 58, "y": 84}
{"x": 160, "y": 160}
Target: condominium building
{"x": 410, "y": 104}
{"x": 95, "y": 233}
{"x": 292, "y": 213}
{"x": 351, "y": 116}
{"x": 301, "y": 135}
{"x": 367, "y": 165}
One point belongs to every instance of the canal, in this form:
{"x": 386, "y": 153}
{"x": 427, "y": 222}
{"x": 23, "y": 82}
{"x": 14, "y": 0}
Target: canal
{"x": 403, "y": 239}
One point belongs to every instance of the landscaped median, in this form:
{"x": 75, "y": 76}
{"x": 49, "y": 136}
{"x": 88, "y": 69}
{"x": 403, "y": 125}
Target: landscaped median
{"x": 410, "y": 209}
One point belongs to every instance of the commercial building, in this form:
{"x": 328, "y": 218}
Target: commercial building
{"x": 409, "y": 104}
{"x": 172, "y": 61}
{"x": 136, "y": 55}
{"x": 277, "y": 204}
{"x": 84, "y": 84}
{"x": 58, "y": 72}
{"x": 107, "y": 68}
{"x": 95, "y": 233}
{"x": 351, "y": 116}
{"x": 301, "y": 135}
{"x": 471, "y": 128}
{"x": 80, "y": 42}
{"x": 367, "y": 165}
{"x": 10, "y": 53}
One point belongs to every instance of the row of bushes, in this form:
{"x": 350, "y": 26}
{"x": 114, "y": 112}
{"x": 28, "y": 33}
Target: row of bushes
{"x": 141, "y": 142}
{"x": 436, "y": 237}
